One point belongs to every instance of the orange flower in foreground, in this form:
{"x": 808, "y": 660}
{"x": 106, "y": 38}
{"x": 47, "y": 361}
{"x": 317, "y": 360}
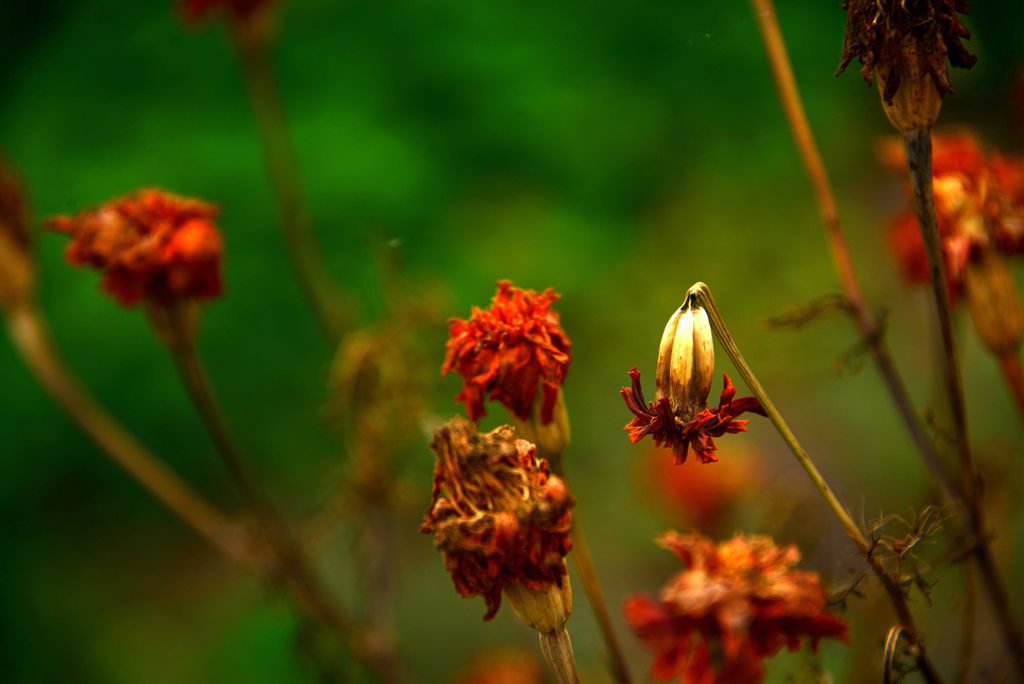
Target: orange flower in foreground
{"x": 979, "y": 203}
{"x": 509, "y": 352}
{"x": 198, "y": 10}
{"x": 503, "y": 666}
{"x": 499, "y": 518}
{"x": 149, "y": 245}
{"x": 734, "y": 605}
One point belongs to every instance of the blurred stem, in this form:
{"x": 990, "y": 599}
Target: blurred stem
{"x": 970, "y": 618}
{"x": 1009, "y": 365}
{"x": 175, "y": 328}
{"x": 919, "y": 165}
{"x": 702, "y": 294}
{"x": 314, "y": 279}
{"x": 870, "y": 329}
{"x": 584, "y": 564}
{"x": 557, "y": 650}
{"x": 32, "y": 340}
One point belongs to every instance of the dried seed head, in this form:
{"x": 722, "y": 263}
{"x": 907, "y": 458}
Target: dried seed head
{"x": 994, "y": 303}
{"x": 16, "y": 271}
{"x": 686, "y": 360}
{"x": 915, "y": 104}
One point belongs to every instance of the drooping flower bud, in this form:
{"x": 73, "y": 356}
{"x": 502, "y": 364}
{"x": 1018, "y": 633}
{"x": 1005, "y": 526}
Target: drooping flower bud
{"x": 16, "y": 269}
{"x": 995, "y": 305}
{"x": 686, "y": 360}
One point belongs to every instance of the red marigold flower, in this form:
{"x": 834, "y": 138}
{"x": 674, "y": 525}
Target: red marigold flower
{"x": 735, "y": 604}
{"x": 510, "y": 351}
{"x": 149, "y": 245}
{"x": 498, "y": 516}
{"x": 979, "y": 203}
{"x": 658, "y": 420}
{"x": 195, "y": 11}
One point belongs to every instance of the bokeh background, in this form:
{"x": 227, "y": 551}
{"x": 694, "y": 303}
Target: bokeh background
{"x": 616, "y": 151}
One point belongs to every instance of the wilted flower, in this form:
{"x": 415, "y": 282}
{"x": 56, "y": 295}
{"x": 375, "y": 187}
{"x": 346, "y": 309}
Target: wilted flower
{"x": 735, "y": 604}
{"x": 241, "y": 10}
{"x": 686, "y": 360}
{"x": 150, "y": 245}
{"x": 979, "y": 203}
{"x": 515, "y": 352}
{"x": 658, "y": 420}
{"x": 502, "y": 522}
{"x": 906, "y": 44}
{"x": 15, "y": 261}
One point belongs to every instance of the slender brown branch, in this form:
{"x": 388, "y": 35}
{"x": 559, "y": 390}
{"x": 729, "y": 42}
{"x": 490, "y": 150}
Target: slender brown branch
{"x": 307, "y": 262}
{"x": 1009, "y": 365}
{"x": 374, "y": 650}
{"x": 969, "y": 618}
{"x": 896, "y": 596}
{"x": 33, "y": 342}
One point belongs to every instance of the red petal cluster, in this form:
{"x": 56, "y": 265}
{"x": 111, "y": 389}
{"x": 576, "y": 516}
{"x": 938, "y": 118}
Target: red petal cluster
{"x": 196, "y": 11}
{"x": 149, "y": 245}
{"x": 656, "y": 419}
{"x": 979, "y": 203}
{"x": 735, "y": 604}
{"x": 498, "y": 516}
{"x": 510, "y": 351}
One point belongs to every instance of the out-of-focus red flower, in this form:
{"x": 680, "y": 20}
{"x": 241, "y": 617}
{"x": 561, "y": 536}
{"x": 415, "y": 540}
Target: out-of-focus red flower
{"x": 503, "y": 666}
{"x": 700, "y": 497}
{"x": 735, "y": 604}
{"x": 498, "y": 516}
{"x": 149, "y": 245}
{"x": 509, "y": 352}
{"x": 658, "y": 420}
{"x": 195, "y": 11}
{"x": 979, "y": 204}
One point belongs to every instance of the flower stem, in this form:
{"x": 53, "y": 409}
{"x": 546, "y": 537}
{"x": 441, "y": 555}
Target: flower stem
{"x": 557, "y": 650}
{"x": 899, "y": 600}
{"x": 32, "y": 340}
{"x": 306, "y": 260}
{"x": 1009, "y": 365}
{"x": 375, "y": 651}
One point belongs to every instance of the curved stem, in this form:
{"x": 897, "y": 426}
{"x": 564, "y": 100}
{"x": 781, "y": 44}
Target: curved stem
{"x": 899, "y": 601}
{"x": 375, "y": 651}
{"x": 306, "y": 260}
{"x": 33, "y": 342}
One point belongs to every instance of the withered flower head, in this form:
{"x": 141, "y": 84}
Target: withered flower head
{"x": 907, "y": 43}
{"x": 735, "y": 604}
{"x": 686, "y": 360}
{"x": 16, "y": 271}
{"x": 509, "y": 352}
{"x": 501, "y": 522}
{"x": 979, "y": 203}
{"x": 150, "y": 245}
{"x": 195, "y": 11}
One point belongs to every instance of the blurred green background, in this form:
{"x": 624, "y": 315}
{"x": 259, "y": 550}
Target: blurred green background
{"x": 616, "y": 151}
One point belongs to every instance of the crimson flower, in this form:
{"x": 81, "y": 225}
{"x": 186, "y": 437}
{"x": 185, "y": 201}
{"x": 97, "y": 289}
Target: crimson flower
{"x": 498, "y": 516}
{"x": 979, "y": 203}
{"x": 149, "y": 245}
{"x": 658, "y": 420}
{"x": 510, "y": 351}
{"x": 734, "y": 605}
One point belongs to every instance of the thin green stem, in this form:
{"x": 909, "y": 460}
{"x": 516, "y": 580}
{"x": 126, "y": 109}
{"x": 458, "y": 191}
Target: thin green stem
{"x": 306, "y": 259}
{"x": 703, "y": 296}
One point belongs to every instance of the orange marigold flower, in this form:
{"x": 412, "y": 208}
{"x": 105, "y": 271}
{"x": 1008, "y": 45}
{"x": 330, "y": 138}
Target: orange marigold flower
{"x": 658, "y": 420}
{"x": 979, "y": 203}
{"x": 510, "y": 351}
{"x": 195, "y": 11}
{"x": 149, "y": 245}
{"x": 735, "y": 604}
{"x": 498, "y": 516}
